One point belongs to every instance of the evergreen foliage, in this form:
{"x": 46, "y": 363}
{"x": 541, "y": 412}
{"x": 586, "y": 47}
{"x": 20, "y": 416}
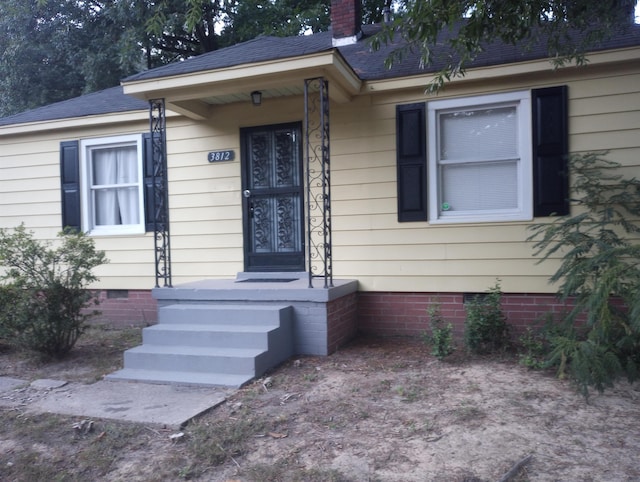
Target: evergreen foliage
{"x": 44, "y": 295}
{"x": 599, "y": 272}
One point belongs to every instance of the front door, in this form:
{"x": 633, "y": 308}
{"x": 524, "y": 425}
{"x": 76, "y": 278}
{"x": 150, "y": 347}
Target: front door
{"x": 272, "y": 191}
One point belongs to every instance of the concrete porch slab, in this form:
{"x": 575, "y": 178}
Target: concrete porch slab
{"x": 238, "y": 289}
{"x": 170, "y": 406}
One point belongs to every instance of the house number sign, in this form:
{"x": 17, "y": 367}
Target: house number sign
{"x": 218, "y": 156}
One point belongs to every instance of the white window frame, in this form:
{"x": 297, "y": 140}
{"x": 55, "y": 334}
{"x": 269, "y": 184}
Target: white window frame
{"x": 524, "y": 211}
{"x": 88, "y": 224}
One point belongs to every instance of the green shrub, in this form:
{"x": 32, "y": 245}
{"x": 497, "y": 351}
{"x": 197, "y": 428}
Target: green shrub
{"x": 441, "y": 337}
{"x": 599, "y": 339}
{"x": 44, "y": 296}
{"x": 485, "y": 328}
{"x": 533, "y": 349}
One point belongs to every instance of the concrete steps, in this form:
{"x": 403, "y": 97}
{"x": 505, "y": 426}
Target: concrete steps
{"x": 208, "y": 344}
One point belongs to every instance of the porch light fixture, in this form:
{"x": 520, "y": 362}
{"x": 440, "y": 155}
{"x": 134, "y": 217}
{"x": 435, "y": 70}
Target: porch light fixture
{"x": 256, "y": 98}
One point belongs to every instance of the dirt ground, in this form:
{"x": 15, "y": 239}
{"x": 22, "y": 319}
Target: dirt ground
{"x": 378, "y": 410}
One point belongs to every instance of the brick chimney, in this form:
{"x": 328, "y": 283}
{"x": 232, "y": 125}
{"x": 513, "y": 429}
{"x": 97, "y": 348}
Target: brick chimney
{"x": 346, "y": 21}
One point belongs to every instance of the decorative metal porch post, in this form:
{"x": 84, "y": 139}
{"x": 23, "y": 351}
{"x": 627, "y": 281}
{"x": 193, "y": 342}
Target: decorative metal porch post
{"x": 316, "y": 117}
{"x": 162, "y": 242}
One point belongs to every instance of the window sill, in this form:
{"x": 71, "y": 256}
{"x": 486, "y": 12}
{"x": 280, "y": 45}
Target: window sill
{"x": 116, "y": 231}
{"x": 465, "y": 218}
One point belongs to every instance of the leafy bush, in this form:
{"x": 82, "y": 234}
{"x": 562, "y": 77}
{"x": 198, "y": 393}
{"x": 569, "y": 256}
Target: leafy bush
{"x": 45, "y": 289}
{"x": 441, "y": 337}
{"x": 485, "y": 328}
{"x": 599, "y": 339}
{"x": 533, "y": 349}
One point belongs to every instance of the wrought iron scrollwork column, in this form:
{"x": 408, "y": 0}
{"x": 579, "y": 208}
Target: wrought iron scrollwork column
{"x": 162, "y": 242}
{"x": 316, "y": 116}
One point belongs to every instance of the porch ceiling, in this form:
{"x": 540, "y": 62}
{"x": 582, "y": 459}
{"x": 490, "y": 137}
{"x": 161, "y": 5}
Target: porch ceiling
{"x": 196, "y": 95}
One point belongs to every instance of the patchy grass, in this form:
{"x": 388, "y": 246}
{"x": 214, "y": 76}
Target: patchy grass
{"x": 379, "y": 410}
{"x": 97, "y": 353}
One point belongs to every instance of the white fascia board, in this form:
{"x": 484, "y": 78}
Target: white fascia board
{"x": 73, "y": 122}
{"x": 237, "y": 78}
{"x": 501, "y": 71}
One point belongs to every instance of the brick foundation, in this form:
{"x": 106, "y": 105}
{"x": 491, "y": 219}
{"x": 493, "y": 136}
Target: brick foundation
{"x": 127, "y": 308}
{"x": 342, "y": 321}
{"x": 376, "y": 313}
{"x": 405, "y": 314}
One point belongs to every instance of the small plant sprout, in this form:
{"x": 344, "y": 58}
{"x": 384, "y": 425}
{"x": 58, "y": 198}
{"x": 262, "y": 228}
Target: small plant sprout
{"x": 441, "y": 337}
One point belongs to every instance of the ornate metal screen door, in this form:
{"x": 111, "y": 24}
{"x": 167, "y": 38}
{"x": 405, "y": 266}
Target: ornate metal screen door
{"x": 272, "y": 190}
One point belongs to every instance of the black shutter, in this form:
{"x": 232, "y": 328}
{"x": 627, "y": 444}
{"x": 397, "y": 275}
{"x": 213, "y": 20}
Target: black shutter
{"x": 550, "y": 151}
{"x": 147, "y": 159}
{"x": 411, "y": 162}
{"x": 70, "y": 184}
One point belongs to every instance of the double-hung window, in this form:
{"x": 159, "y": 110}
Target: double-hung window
{"x": 112, "y": 185}
{"x": 479, "y": 158}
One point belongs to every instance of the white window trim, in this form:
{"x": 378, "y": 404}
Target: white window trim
{"x": 86, "y": 145}
{"x": 524, "y": 212}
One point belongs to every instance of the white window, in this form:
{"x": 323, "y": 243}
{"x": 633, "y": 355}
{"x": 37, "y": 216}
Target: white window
{"x": 479, "y": 159}
{"x": 112, "y": 193}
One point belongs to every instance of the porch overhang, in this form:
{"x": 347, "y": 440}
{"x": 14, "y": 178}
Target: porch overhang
{"x": 196, "y": 94}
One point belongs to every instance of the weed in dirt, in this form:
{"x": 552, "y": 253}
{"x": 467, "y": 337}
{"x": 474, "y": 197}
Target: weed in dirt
{"x": 311, "y": 377}
{"x": 409, "y": 394}
{"x": 473, "y": 387}
{"x": 532, "y": 350}
{"x": 216, "y": 441}
{"x": 108, "y": 442}
{"x": 441, "y": 337}
{"x": 383, "y": 386}
{"x": 36, "y": 428}
{"x": 285, "y": 470}
{"x": 46, "y": 443}
{"x": 468, "y": 413}
{"x": 30, "y": 465}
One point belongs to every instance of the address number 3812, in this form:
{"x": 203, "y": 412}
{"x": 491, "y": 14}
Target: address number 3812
{"x": 218, "y": 156}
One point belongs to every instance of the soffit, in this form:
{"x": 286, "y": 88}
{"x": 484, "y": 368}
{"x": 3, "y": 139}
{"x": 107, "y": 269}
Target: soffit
{"x": 196, "y": 94}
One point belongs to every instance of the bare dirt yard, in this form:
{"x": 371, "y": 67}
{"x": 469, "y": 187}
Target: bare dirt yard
{"x": 378, "y": 410}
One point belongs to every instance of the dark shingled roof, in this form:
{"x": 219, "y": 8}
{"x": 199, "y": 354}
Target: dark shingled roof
{"x": 103, "y": 102}
{"x": 367, "y": 64}
{"x": 260, "y": 49}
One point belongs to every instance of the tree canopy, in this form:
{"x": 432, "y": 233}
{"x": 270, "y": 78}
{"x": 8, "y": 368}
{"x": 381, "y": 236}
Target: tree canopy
{"x": 467, "y": 27}
{"x": 53, "y": 50}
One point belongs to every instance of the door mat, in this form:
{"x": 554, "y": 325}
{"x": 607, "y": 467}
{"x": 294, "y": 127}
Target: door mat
{"x": 267, "y": 280}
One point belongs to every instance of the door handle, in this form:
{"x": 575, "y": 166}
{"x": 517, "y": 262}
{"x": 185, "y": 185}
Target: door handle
{"x": 246, "y": 193}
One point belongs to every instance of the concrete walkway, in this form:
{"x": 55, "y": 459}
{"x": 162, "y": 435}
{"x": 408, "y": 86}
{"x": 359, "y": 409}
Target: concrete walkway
{"x": 170, "y": 406}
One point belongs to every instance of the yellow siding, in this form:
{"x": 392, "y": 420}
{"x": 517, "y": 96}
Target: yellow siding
{"x": 206, "y": 209}
{"x": 368, "y": 243}
{"x": 371, "y": 246}
{"x": 30, "y": 194}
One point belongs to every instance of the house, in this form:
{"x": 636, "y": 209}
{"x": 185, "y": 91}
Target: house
{"x": 300, "y": 180}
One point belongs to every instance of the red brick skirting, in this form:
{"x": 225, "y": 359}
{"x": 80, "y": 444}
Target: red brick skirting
{"x": 127, "y": 308}
{"x": 391, "y": 313}
{"x": 342, "y": 321}
{"x": 377, "y": 313}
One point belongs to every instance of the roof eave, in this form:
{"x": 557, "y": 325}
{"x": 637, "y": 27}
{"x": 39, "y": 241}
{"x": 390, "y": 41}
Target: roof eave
{"x": 184, "y": 93}
{"x": 492, "y": 72}
{"x": 74, "y": 122}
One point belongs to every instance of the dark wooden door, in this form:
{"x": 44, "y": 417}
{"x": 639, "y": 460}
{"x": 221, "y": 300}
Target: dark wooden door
{"x": 272, "y": 191}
